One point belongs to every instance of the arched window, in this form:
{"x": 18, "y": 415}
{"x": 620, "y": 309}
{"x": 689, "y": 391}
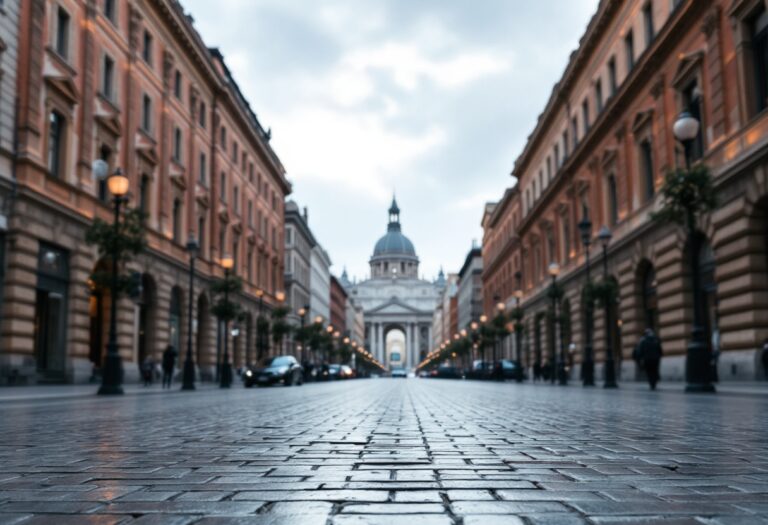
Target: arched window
{"x": 650, "y": 300}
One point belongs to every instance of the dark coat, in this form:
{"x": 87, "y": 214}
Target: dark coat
{"x": 169, "y": 358}
{"x": 648, "y": 349}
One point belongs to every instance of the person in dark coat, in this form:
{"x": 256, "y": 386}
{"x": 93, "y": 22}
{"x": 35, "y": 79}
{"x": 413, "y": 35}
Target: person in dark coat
{"x": 147, "y": 368}
{"x": 169, "y": 361}
{"x": 648, "y": 355}
{"x": 536, "y": 371}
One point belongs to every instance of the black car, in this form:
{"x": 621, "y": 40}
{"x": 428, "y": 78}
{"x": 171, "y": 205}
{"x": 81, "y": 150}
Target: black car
{"x": 282, "y": 369}
{"x": 448, "y": 372}
{"x": 480, "y": 370}
{"x": 510, "y": 369}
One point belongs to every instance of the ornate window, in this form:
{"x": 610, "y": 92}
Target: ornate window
{"x": 57, "y": 133}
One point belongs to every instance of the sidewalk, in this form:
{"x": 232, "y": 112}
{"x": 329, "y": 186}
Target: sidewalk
{"x": 742, "y": 388}
{"x": 35, "y": 392}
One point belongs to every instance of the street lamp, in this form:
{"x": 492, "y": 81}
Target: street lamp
{"x": 226, "y": 369}
{"x": 500, "y": 308}
{"x": 518, "y": 329}
{"x": 588, "y": 366}
{"x": 698, "y": 364}
{"x": 112, "y": 379}
{"x": 610, "y": 367}
{"x": 562, "y": 376}
{"x": 303, "y": 315}
{"x": 193, "y": 248}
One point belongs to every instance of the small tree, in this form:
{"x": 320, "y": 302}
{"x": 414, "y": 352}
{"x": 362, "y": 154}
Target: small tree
{"x": 223, "y": 289}
{"x": 686, "y": 195}
{"x": 125, "y": 241}
{"x": 280, "y": 327}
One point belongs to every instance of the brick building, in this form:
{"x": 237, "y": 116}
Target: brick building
{"x": 601, "y": 149}
{"x": 131, "y": 83}
{"x": 338, "y": 302}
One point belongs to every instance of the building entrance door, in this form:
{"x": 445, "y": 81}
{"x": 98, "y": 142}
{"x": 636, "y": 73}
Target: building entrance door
{"x": 51, "y": 313}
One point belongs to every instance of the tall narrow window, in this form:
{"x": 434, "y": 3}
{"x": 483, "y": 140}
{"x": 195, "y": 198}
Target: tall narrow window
{"x": 250, "y": 213}
{"x": 201, "y": 234}
{"x": 144, "y": 195}
{"x": 177, "y": 140}
{"x": 549, "y": 169}
{"x": 575, "y": 131}
{"x": 177, "y": 220}
{"x": 759, "y": 27}
{"x": 62, "y": 33}
{"x": 201, "y": 118}
{"x": 203, "y": 169}
{"x": 223, "y": 137}
{"x": 629, "y": 49}
{"x": 541, "y": 180}
{"x": 146, "y": 52}
{"x": 177, "y": 84}
{"x": 613, "y": 203}
{"x": 692, "y": 103}
{"x": 250, "y": 172}
{"x": 236, "y": 198}
{"x": 585, "y": 115}
{"x": 146, "y": 114}
{"x": 57, "y": 127}
{"x": 223, "y": 187}
{"x": 612, "y": 78}
{"x": 565, "y": 145}
{"x": 234, "y": 151}
{"x": 646, "y": 168}
{"x": 650, "y": 31}
{"x": 599, "y": 95}
{"x": 557, "y": 156}
{"x": 105, "y": 154}
{"x": 109, "y": 10}
{"x": 566, "y": 239}
{"x": 236, "y": 254}
{"x": 107, "y": 77}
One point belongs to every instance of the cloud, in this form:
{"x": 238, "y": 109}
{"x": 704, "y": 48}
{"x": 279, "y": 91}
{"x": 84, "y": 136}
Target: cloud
{"x": 433, "y": 98}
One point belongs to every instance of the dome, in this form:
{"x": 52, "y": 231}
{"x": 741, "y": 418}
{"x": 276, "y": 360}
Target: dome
{"x": 394, "y": 243}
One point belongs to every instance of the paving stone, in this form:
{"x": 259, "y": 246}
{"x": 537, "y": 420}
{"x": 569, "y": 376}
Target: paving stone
{"x": 497, "y": 453}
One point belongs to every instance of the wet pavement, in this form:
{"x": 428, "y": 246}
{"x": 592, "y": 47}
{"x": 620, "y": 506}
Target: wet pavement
{"x": 415, "y": 451}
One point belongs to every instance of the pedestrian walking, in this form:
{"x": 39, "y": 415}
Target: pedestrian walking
{"x": 647, "y": 354}
{"x": 536, "y": 371}
{"x": 764, "y": 358}
{"x": 715, "y": 354}
{"x": 169, "y": 361}
{"x": 147, "y": 368}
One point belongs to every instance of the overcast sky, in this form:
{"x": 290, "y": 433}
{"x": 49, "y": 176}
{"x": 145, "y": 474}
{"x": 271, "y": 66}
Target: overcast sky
{"x": 432, "y": 99}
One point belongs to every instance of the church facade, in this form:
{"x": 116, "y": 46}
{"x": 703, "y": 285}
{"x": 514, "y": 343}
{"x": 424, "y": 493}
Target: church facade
{"x": 395, "y": 299}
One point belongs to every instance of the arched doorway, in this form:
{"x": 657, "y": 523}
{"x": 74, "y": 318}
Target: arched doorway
{"x": 174, "y": 319}
{"x": 147, "y": 315}
{"x": 395, "y": 351}
{"x": 203, "y": 356}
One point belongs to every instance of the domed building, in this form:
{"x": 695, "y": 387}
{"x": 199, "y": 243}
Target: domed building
{"x": 397, "y": 304}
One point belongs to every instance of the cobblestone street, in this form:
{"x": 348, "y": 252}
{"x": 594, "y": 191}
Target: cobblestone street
{"x": 414, "y": 451}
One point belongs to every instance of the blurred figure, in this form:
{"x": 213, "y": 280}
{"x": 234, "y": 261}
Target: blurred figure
{"x": 147, "y": 368}
{"x": 648, "y": 355}
{"x": 764, "y": 358}
{"x": 169, "y": 362}
{"x": 536, "y": 371}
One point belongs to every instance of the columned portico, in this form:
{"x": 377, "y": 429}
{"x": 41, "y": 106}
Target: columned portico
{"x": 395, "y": 298}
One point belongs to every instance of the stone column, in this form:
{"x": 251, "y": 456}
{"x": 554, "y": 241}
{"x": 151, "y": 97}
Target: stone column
{"x": 407, "y": 353}
{"x": 382, "y": 351}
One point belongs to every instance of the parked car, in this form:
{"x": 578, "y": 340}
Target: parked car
{"x": 510, "y": 369}
{"x": 448, "y": 372}
{"x": 282, "y": 369}
{"x": 346, "y": 372}
{"x": 399, "y": 371}
{"x": 333, "y": 372}
{"x": 480, "y": 370}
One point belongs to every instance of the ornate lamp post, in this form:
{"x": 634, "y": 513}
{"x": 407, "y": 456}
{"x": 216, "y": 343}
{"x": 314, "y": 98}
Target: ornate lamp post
{"x": 500, "y": 308}
{"x": 610, "y": 366}
{"x": 483, "y": 320}
{"x": 302, "y": 316}
{"x": 588, "y": 366}
{"x": 562, "y": 375}
{"x": 698, "y": 363}
{"x": 112, "y": 379}
{"x": 226, "y": 368}
{"x": 193, "y": 247}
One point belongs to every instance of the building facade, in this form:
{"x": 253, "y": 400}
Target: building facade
{"x": 395, "y": 299}
{"x": 320, "y": 284}
{"x": 338, "y": 306}
{"x": 131, "y": 83}
{"x": 470, "y": 289}
{"x": 299, "y": 243}
{"x": 601, "y": 149}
